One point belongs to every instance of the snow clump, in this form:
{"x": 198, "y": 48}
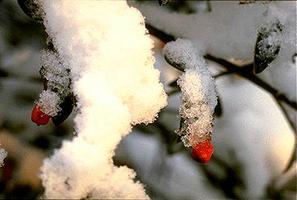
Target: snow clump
{"x": 107, "y": 48}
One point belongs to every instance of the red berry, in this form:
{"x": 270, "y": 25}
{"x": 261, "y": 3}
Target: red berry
{"x": 202, "y": 152}
{"x": 39, "y": 117}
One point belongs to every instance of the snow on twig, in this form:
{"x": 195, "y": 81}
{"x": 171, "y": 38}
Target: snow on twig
{"x": 242, "y": 71}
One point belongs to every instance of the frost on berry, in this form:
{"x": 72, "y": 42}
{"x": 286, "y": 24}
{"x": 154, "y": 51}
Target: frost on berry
{"x": 198, "y": 93}
{"x": 49, "y": 102}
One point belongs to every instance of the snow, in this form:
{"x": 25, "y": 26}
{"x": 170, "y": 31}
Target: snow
{"x": 109, "y": 53}
{"x": 230, "y": 31}
{"x": 49, "y": 103}
{"x": 254, "y": 127}
{"x": 183, "y": 53}
{"x": 3, "y": 155}
{"x": 251, "y": 125}
{"x": 56, "y": 76}
{"x": 268, "y": 45}
{"x": 199, "y": 97}
{"x": 55, "y": 72}
{"x": 172, "y": 177}
{"x": 212, "y": 30}
{"x": 196, "y": 108}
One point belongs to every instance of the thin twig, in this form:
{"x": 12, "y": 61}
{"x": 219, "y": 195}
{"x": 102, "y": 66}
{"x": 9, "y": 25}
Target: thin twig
{"x": 159, "y": 34}
{"x": 248, "y": 74}
{"x": 172, "y": 92}
{"x": 7, "y": 75}
{"x": 245, "y": 72}
{"x": 286, "y": 114}
{"x": 208, "y": 6}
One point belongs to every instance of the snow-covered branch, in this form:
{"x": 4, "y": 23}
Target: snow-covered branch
{"x": 244, "y": 71}
{"x": 199, "y": 97}
{"x": 113, "y": 91}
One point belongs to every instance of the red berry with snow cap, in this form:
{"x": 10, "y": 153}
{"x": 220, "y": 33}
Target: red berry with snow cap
{"x": 39, "y": 117}
{"x": 202, "y": 152}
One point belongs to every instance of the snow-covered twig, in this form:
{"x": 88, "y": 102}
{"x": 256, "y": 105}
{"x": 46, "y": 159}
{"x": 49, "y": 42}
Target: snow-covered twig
{"x": 199, "y": 97}
{"x": 113, "y": 91}
{"x": 245, "y": 72}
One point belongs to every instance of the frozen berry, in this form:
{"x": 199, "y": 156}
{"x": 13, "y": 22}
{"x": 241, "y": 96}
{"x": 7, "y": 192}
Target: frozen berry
{"x": 202, "y": 152}
{"x": 39, "y": 117}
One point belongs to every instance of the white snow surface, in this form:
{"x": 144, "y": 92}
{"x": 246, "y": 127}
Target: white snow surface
{"x": 109, "y": 53}
{"x": 255, "y": 129}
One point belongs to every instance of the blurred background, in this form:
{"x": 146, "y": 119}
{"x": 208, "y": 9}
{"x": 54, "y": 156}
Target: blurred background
{"x": 253, "y": 140}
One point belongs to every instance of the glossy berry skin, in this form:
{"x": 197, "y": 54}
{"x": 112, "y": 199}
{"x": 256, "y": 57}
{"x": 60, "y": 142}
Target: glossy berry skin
{"x": 202, "y": 152}
{"x": 39, "y": 117}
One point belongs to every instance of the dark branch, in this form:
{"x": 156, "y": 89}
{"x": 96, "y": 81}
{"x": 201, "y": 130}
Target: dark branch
{"x": 286, "y": 114}
{"x": 175, "y": 65}
{"x": 3, "y": 73}
{"x": 159, "y": 34}
{"x": 222, "y": 74}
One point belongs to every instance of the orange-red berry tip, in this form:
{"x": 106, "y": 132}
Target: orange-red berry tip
{"x": 203, "y": 151}
{"x": 39, "y": 117}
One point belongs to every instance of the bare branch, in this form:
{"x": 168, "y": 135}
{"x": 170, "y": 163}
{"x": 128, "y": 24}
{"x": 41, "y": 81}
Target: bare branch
{"x": 159, "y": 34}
